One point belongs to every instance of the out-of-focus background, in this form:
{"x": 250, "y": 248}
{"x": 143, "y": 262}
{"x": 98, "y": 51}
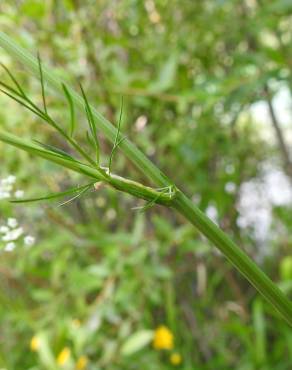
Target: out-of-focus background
{"x": 207, "y": 96}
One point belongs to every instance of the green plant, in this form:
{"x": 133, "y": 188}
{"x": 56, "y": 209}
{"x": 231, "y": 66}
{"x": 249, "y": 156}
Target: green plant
{"x": 167, "y": 193}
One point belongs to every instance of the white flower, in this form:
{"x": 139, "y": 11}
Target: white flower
{"x": 6, "y": 187}
{"x": 4, "y": 229}
{"x": 29, "y": 240}
{"x": 111, "y": 214}
{"x": 11, "y": 179}
{"x": 230, "y": 187}
{"x": 19, "y": 194}
{"x": 141, "y": 123}
{"x": 212, "y": 213}
{"x": 229, "y": 169}
{"x": 4, "y": 194}
{"x": 12, "y": 222}
{"x": 9, "y": 247}
{"x": 13, "y": 235}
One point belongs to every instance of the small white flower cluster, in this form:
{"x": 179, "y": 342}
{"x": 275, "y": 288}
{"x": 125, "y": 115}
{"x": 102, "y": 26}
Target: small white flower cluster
{"x": 7, "y": 188}
{"x": 11, "y": 232}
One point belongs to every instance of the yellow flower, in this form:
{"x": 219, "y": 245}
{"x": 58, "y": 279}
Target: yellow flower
{"x": 81, "y": 363}
{"x": 34, "y": 343}
{"x": 175, "y": 359}
{"x": 163, "y": 338}
{"x": 63, "y": 356}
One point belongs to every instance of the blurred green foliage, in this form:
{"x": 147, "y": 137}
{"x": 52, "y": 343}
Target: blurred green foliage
{"x": 102, "y": 277}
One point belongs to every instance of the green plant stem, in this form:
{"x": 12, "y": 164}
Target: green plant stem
{"x": 235, "y": 255}
{"x": 181, "y": 203}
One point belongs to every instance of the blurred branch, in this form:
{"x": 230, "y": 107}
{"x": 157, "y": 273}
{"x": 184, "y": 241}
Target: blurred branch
{"x": 201, "y": 340}
{"x": 253, "y": 45}
{"x": 279, "y": 134}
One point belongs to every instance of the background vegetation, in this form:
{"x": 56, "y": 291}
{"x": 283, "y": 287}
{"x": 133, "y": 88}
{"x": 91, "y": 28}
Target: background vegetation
{"x": 202, "y": 82}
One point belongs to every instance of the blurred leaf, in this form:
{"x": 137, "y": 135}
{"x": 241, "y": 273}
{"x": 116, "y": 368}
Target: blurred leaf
{"x": 260, "y": 332}
{"x": 44, "y": 351}
{"x": 34, "y": 8}
{"x": 136, "y": 342}
{"x": 166, "y": 76}
{"x": 286, "y": 268}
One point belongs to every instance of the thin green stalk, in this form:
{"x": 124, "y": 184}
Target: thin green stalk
{"x": 235, "y": 255}
{"x": 180, "y": 202}
{"x": 101, "y": 175}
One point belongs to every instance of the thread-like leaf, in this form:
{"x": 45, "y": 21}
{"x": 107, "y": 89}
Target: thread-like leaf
{"x": 152, "y": 202}
{"x": 52, "y": 156}
{"x": 72, "y": 110}
{"x": 54, "y": 149}
{"x": 76, "y": 189}
{"x": 117, "y": 141}
{"x": 89, "y": 140}
{"x": 91, "y": 122}
{"x": 23, "y": 100}
{"x": 28, "y": 104}
{"x": 19, "y": 101}
{"x": 84, "y": 190}
{"x": 42, "y": 83}
{"x": 21, "y": 91}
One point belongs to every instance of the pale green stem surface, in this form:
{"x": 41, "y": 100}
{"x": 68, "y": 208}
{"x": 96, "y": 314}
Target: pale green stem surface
{"x": 180, "y": 202}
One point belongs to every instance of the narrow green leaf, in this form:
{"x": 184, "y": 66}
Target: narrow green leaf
{"x": 58, "y": 158}
{"x": 22, "y": 103}
{"x": 76, "y": 189}
{"x": 72, "y": 111}
{"x": 20, "y": 97}
{"x": 91, "y": 122}
{"x": 117, "y": 141}
{"x": 89, "y": 140}
{"x": 84, "y": 190}
{"x": 42, "y": 82}
{"x": 21, "y": 91}
{"x": 28, "y": 104}
{"x": 54, "y": 149}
